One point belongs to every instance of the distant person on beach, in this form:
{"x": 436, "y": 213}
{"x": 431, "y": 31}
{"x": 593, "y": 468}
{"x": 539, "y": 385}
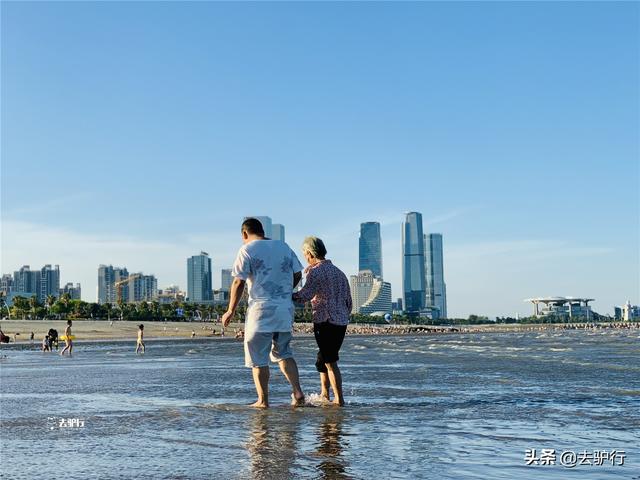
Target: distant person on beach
{"x": 46, "y": 345}
{"x": 140, "y": 341}
{"x": 328, "y": 290}
{"x": 271, "y": 270}
{"x": 67, "y": 339}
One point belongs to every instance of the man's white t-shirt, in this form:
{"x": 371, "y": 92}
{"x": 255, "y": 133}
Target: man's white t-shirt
{"x": 268, "y": 267}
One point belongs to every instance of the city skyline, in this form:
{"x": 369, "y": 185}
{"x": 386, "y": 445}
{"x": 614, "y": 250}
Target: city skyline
{"x": 521, "y": 149}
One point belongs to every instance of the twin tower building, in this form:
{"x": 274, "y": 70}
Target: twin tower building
{"x": 424, "y": 290}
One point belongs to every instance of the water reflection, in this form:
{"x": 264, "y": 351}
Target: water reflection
{"x": 331, "y": 446}
{"x": 272, "y": 444}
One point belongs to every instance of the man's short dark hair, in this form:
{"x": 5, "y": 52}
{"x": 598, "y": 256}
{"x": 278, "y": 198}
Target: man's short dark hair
{"x": 253, "y": 227}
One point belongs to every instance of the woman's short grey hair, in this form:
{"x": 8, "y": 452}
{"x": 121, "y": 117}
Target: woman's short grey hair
{"x": 314, "y": 246}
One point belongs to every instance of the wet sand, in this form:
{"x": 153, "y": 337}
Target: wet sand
{"x": 92, "y": 330}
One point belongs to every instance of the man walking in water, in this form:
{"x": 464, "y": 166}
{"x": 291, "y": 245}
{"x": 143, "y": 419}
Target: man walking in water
{"x": 271, "y": 270}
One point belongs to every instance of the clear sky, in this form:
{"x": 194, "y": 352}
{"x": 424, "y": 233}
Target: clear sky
{"x": 138, "y": 134}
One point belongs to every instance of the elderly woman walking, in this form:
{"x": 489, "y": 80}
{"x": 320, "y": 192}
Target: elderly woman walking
{"x": 328, "y": 290}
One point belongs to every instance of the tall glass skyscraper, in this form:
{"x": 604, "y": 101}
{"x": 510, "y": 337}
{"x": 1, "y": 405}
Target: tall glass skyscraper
{"x": 413, "y": 277}
{"x": 434, "y": 268}
{"x": 370, "y": 248}
{"x": 199, "y": 288}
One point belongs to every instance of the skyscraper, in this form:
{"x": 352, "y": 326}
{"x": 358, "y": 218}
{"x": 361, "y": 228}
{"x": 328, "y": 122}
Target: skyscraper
{"x": 434, "y": 270}
{"x": 413, "y": 277}
{"x": 277, "y": 231}
{"x": 266, "y": 225}
{"x": 370, "y": 251}
{"x": 199, "y": 287}
{"x": 49, "y": 282}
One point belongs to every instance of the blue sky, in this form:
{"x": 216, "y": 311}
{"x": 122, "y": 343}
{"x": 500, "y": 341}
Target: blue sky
{"x": 138, "y": 134}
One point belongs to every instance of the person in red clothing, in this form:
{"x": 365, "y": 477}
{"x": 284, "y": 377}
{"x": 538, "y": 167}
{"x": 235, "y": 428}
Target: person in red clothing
{"x": 327, "y": 288}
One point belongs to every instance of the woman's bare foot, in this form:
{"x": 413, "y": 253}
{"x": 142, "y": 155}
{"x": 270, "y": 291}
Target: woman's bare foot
{"x": 260, "y": 404}
{"x": 297, "y": 401}
{"x": 338, "y": 403}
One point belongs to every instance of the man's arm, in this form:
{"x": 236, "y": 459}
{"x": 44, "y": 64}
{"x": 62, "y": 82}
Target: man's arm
{"x": 296, "y": 279}
{"x": 237, "y": 287}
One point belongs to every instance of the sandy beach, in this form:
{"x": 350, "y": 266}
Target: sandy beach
{"x": 92, "y": 330}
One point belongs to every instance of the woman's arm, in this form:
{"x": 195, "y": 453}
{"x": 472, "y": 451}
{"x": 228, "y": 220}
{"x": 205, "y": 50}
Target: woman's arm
{"x": 309, "y": 290}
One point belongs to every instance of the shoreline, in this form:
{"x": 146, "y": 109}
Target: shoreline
{"x": 93, "y": 331}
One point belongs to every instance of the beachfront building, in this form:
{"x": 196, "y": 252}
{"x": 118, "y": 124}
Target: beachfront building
{"x": 199, "y": 279}
{"x": 74, "y": 291}
{"x": 379, "y": 301}
{"x": 142, "y": 288}
{"x": 361, "y": 286}
{"x": 370, "y": 294}
{"x": 370, "y": 248}
{"x": 110, "y": 280}
{"x": 413, "y": 276}
{"x": 26, "y": 282}
{"x": 436, "y": 298}
{"x": 33, "y": 283}
{"x": 562, "y": 307}
{"x": 627, "y": 312}
{"x": 277, "y": 231}
{"x": 49, "y": 282}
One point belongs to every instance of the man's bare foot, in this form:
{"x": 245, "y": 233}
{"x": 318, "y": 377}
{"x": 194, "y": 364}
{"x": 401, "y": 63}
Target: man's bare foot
{"x": 259, "y": 404}
{"x": 297, "y": 401}
{"x": 337, "y": 403}
{"x": 325, "y": 395}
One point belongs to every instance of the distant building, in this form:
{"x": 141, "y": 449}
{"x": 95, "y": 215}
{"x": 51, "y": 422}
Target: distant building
{"x": 225, "y": 280}
{"x": 361, "y": 286}
{"x": 74, "y": 291}
{"x": 6, "y": 283}
{"x": 627, "y": 312}
{"x": 266, "y": 225}
{"x": 142, "y": 288}
{"x": 370, "y": 248}
{"x": 399, "y": 304}
{"x": 413, "y": 275}
{"x": 199, "y": 278}
{"x": 434, "y": 270}
{"x": 110, "y": 280}
{"x": 171, "y": 294}
{"x": 379, "y": 301}
{"x": 26, "y": 283}
{"x": 49, "y": 282}
{"x": 562, "y": 307}
{"x": 370, "y": 294}
{"x": 277, "y": 231}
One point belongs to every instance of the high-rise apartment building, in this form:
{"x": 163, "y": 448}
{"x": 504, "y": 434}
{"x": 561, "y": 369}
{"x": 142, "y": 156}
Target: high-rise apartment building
{"x": 225, "y": 280}
{"x": 111, "y": 280}
{"x": 74, "y": 291}
{"x": 49, "y": 282}
{"x": 370, "y": 294}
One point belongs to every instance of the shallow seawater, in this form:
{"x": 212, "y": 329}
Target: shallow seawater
{"x": 441, "y": 407}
